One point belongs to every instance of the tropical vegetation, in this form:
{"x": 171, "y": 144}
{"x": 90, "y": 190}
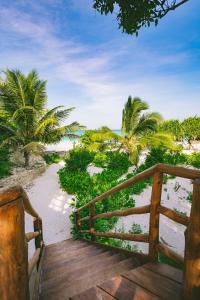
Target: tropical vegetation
{"x": 132, "y": 15}
{"x": 25, "y": 121}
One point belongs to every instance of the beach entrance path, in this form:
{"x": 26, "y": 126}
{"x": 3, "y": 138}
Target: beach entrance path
{"x": 52, "y": 204}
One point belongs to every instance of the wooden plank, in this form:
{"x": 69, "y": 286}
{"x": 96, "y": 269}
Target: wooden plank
{"x": 191, "y": 283}
{"x": 13, "y": 252}
{"x": 178, "y": 171}
{"x": 123, "y": 289}
{"x": 125, "y": 212}
{"x": 170, "y": 253}
{"x": 154, "y": 215}
{"x": 75, "y": 264}
{"x": 64, "y": 249}
{"x": 33, "y": 261}
{"x": 145, "y": 174}
{"x": 31, "y": 235}
{"x": 91, "y": 280}
{"x": 67, "y": 255}
{"x": 70, "y": 276}
{"x": 92, "y": 221}
{"x": 166, "y": 270}
{"x": 94, "y": 293}
{"x": 173, "y": 215}
{"x": 64, "y": 245}
{"x": 155, "y": 283}
{"x": 122, "y": 236}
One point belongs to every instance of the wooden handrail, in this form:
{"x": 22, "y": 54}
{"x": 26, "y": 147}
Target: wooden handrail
{"x": 31, "y": 235}
{"x": 145, "y": 174}
{"x": 8, "y": 195}
{"x": 173, "y": 215}
{"x": 14, "y": 202}
{"x": 191, "y": 290}
{"x": 119, "y": 235}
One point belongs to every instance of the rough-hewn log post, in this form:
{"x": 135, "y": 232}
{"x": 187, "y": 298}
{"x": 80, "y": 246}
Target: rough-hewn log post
{"x": 13, "y": 252}
{"x": 154, "y": 215}
{"x": 77, "y": 217}
{"x": 191, "y": 280}
{"x": 92, "y": 221}
{"x": 37, "y": 227}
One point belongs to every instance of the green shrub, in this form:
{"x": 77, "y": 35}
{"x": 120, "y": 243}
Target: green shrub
{"x": 100, "y": 159}
{"x": 73, "y": 182}
{"x": 194, "y": 159}
{"x": 5, "y": 165}
{"x": 117, "y": 160}
{"x": 52, "y": 158}
{"x": 135, "y": 229}
{"x": 78, "y": 159}
{"x": 162, "y": 155}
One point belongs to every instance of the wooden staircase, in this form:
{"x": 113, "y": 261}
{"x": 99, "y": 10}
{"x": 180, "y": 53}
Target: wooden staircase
{"x": 84, "y": 269}
{"x": 76, "y": 269}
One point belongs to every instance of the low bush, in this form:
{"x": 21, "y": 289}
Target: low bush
{"x": 194, "y": 160}
{"x": 52, "y": 158}
{"x": 78, "y": 159}
{"x": 100, "y": 159}
{"x": 5, "y": 165}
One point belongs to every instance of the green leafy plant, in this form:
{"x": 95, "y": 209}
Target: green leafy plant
{"x": 136, "y": 229}
{"x": 5, "y": 165}
{"x": 100, "y": 159}
{"x": 78, "y": 159}
{"x": 52, "y": 158}
{"x": 194, "y": 159}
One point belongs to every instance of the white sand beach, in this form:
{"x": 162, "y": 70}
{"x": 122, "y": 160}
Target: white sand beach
{"x": 52, "y": 204}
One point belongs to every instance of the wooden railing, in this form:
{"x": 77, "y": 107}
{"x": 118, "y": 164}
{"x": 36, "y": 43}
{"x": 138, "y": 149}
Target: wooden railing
{"x": 191, "y": 259}
{"x": 15, "y": 269}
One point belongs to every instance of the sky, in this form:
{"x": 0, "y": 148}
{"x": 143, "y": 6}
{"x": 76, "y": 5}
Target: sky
{"x": 91, "y": 65}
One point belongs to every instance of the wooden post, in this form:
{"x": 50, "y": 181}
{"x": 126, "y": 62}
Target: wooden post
{"x": 37, "y": 227}
{"x": 13, "y": 252}
{"x": 191, "y": 279}
{"x": 154, "y": 215}
{"x": 92, "y": 221}
{"x": 77, "y": 220}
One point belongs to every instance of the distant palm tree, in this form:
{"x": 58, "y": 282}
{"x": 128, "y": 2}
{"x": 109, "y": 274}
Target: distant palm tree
{"x": 25, "y": 122}
{"x": 141, "y": 129}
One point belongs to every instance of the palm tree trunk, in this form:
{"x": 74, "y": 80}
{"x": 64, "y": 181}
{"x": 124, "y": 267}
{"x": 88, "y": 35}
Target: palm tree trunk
{"x": 27, "y": 159}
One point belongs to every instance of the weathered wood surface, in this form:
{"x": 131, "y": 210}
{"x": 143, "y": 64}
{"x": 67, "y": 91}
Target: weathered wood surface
{"x": 31, "y": 235}
{"x": 125, "y": 212}
{"x": 154, "y": 215}
{"x": 122, "y": 236}
{"x": 8, "y": 195}
{"x": 80, "y": 272}
{"x": 13, "y": 252}
{"x": 191, "y": 281}
{"x": 173, "y": 215}
{"x": 108, "y": 275}
{"x": 33, "y": 261}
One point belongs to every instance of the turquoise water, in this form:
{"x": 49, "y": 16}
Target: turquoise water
{"x": 81, "y": 132}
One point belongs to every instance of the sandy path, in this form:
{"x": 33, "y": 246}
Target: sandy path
{"x": 52, "y": 204}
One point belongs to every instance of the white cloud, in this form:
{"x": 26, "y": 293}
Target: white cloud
{"x": 103, "y": 85}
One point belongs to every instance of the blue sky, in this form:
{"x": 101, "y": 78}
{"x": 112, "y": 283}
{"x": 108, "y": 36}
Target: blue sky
{"x": 91, "y": 65}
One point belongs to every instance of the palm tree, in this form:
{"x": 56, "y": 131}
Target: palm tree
{"x": 25, "y": 122}
{"x": 141, "y": 129}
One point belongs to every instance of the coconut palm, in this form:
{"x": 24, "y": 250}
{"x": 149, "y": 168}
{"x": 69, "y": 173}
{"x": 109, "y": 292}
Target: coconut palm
{"x": 141, "y": 129}
{"x": 25, "y": 122}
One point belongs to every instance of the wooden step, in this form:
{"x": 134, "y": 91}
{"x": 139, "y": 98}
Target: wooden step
{"x": 65, "y": 262}
{"x": 81, "y": 270}
{"x": 89, "y": 280}
{"x": 76, "y": 264}
{"x": 54, "y": 249}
